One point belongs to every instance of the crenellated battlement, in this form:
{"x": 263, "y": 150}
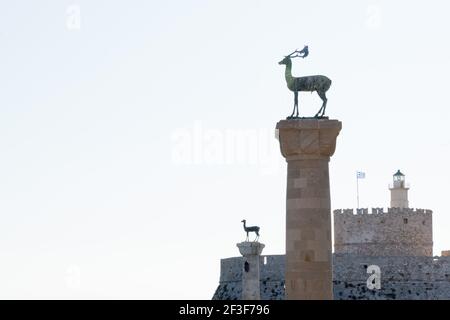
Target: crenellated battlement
{"x": 380, "y": 210}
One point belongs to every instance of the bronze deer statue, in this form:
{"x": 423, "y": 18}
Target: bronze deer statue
{"x": 318, "y": 83}
{"x": 254, "y": 229}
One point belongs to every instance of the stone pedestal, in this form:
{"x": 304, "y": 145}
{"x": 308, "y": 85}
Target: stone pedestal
{"x": 307, "y": 145}
{"x": 251, "y": 251}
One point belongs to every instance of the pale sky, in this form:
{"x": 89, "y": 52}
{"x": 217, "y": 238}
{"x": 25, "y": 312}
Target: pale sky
{"x": 136, "y": 135}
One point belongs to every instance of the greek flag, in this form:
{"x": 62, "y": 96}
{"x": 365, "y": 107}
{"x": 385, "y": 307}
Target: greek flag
{"x": 360, "y": 175}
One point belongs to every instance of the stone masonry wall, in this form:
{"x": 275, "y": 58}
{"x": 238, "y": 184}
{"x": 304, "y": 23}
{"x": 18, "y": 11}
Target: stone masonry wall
{"x": 397, "y": 232}
{"x": 407, "y": 277}
{"x": 271, "y": 272}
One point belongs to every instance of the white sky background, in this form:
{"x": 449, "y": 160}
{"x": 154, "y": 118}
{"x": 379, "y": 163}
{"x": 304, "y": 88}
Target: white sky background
{"x": 116, "y": 180}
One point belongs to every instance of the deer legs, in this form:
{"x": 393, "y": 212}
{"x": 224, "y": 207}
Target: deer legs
{"x": 295, "y": 105}
{"x": 256, "y": 239}
{"x": 324, "y": 104}
{"x": 321, "y": 111}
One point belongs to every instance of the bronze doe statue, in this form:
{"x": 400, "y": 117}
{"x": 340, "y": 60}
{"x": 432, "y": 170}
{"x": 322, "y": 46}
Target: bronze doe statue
{"x": 254, "y": 229}
{"x": 318, "y": 83}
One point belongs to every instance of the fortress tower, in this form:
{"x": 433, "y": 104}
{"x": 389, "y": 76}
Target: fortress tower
{"x": 399, "y": 191}
{"x": 399, "y": 231}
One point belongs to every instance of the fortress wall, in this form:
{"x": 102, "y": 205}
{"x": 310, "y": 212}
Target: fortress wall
{"x": 344, "y": 290}
{"x": 401, "y": 277}
{"x": 231, "y": 268}
{"x": 274, "y": 269}
{"x": 407, "y": 277}
{"x": 397, "y": 232}
{"x": 272, "y": 278}
{"x": 354, "y": 268}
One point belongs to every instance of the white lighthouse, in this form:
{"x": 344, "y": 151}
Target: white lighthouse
{"x": 399, "y": 191}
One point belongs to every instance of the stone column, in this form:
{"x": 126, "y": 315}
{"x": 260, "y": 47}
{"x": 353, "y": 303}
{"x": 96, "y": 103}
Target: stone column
{"x": 307, "y": 145}
{"x": 250, "y": 269}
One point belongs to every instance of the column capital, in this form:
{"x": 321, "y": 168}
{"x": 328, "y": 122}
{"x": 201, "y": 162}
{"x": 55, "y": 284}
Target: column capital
{"x": 308, "y": 138}
{"x": 247, "y": 248}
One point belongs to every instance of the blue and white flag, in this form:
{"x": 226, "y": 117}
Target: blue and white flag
{"x": 360, "y": 175}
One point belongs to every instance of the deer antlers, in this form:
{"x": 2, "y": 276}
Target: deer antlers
{"x": 304, "y": 51}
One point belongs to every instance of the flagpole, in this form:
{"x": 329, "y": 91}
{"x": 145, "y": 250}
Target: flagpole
{"x": 357, "y": 191}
